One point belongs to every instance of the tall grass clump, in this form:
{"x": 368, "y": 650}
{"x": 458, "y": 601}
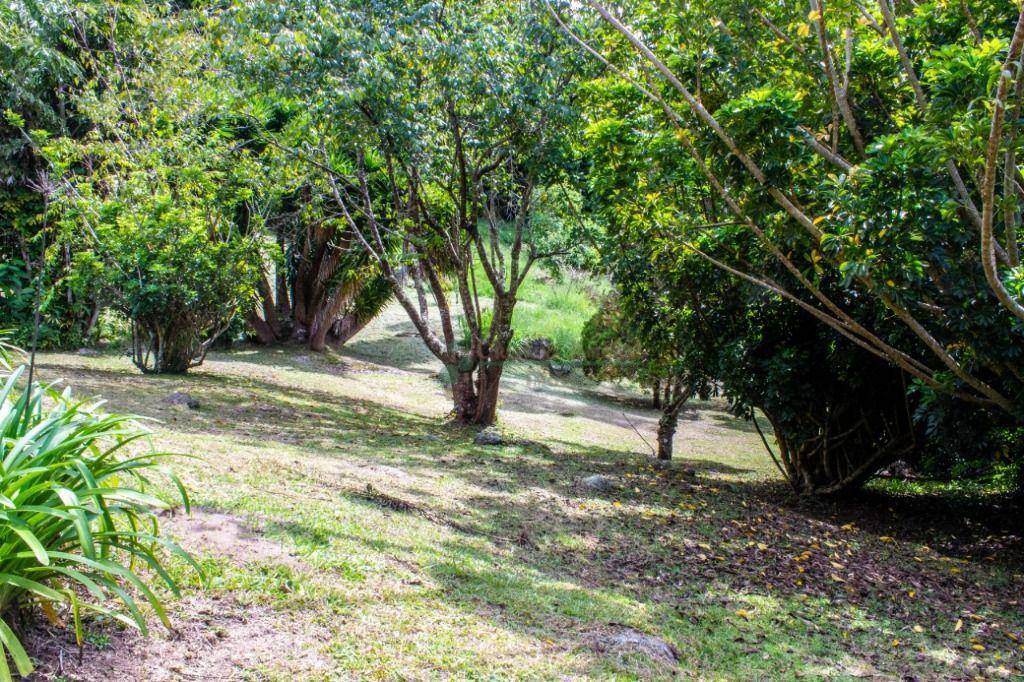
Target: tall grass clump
{"x": 550, "y": 307}
{"x": 556, "y": 309}
{"x": 76, "y": 522}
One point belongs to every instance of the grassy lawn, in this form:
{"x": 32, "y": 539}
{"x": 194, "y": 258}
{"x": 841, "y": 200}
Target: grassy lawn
{"x": 347, "y": 532}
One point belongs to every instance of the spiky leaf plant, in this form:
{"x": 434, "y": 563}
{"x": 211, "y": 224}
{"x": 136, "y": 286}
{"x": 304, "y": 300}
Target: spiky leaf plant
{"x": 76, "y": 521}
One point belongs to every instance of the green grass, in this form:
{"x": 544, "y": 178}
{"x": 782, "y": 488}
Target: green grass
{"x": 499, "y": 567}
{"x": 556, "y": 309}
{"x": 551, "y": 305}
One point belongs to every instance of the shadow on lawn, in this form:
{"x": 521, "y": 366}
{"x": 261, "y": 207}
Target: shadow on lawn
{"x": 562, "y": 598}
{"x": 658, "y": 546}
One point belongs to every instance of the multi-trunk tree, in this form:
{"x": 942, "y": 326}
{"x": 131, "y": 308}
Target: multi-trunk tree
{"x": 433, "y": 125}
{"x": 322, "y": 287}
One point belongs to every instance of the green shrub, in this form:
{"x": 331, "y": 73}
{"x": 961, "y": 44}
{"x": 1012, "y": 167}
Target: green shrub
{"x": 76, "y": 521}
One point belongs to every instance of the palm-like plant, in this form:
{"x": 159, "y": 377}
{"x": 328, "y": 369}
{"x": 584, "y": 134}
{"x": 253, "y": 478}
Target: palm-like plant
{"x": 76, "y": 521}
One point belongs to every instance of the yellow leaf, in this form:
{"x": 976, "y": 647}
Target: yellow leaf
{"x": 804, "y": 30}
{"x": 761, "y": 546}
{"x": 616, "y": 503}
{"x": 836, "y": 564}
{"x": 845, "y": 526}
{"x": 977, "y": 647}
{"x": 911, "y": 594}
{"x": 895, "y": 642}
{"x": 886, "y": 538}
{"x": 918, "y": 629}
{"x": 814, "y": 15}
{"x": 959, "y": 625}
{"x": 837, "y": 579}
{"x": 743, "y": 614}
{"x": 51, "y": 613}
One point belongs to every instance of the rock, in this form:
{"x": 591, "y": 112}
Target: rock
{"x": 87, "y": 352}
{"x": 181, "y": 398}
{"x": 559, "y": 369}
{"x": 629, "y": 641}
{"x": 538, "y": 349}
{"x": 597, "y": 483}
{"x": 489, "y": 436}
{"x": 899, "y": 469}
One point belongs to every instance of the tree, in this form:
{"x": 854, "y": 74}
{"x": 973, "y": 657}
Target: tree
{"x": 50, "y": 53}
{"x": 157, "y": 197}
{"x": 618, "y": 345}
{"x": 823, "y": 136}
{"x": 425, "y": 121}
{"x": 323, "y": 286}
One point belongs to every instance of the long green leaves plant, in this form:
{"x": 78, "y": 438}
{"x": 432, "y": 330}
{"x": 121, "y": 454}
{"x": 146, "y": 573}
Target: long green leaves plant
{"x": 78, "y": 529}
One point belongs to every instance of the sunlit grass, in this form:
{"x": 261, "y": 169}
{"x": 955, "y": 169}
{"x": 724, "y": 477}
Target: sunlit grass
{"x": 504, "y": 569}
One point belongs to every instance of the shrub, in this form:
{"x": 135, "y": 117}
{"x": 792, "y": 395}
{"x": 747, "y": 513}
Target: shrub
{"x": 75, "y": 518}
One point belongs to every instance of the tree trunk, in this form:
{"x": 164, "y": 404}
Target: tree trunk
{"x": 475, "y": 394}
{"x": 667, "y": 426}
{"x": 265, "y": 334}
{"x": 463, "y": 397}
{"x": 488, "y": 383}
{"x": 656, "y": 396}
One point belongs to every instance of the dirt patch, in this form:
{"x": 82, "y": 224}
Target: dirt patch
{"x": 213, "y": 640}
{"x": 207, "y": 532}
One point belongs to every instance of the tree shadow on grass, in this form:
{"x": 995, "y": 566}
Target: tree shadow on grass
{"x": 662, "y": 538}
{"x": 506, "y": 565}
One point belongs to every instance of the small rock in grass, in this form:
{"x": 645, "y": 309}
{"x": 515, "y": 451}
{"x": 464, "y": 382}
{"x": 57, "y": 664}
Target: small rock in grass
{"x": 489, "y": 436}
{"x": 182, "y": 398}
{"x": 88, "y": 352}
{"x": 538, "y": 349}
{"x": 597, "y": 483}
{"x": 559, "y": 369}
{"x": 629, "y": 641}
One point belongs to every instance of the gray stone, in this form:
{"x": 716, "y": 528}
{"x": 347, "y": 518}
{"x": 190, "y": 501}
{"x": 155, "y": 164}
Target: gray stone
{"x": 627, "y": 641}
{"x": 489, "y": 436}
{"x": 87, "y": 352}
{"x": 598, "y": 483}
{"x": 538, "y": 349}
{"x": 559, "y": 369}
{"x": 182, "y": 398}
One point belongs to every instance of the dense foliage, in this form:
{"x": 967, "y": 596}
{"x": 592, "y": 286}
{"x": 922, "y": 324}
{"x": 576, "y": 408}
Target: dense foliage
{"x": 815, "y": 209}
{"x": 433, "y": 125}
{"x": 835, "y": 162}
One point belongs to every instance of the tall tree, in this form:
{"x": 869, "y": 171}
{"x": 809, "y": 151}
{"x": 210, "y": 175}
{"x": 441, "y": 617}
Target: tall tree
{"x": 426, "y": 119}
{"x": 845, "y": 160}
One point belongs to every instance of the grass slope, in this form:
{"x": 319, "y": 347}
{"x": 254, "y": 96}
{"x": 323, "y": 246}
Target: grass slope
{"x": 411, "y": 553}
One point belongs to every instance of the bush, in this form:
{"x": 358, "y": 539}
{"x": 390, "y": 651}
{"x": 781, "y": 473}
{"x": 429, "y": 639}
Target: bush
{"x": 179, "y": 286}
{"x": 75, "y": 517}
